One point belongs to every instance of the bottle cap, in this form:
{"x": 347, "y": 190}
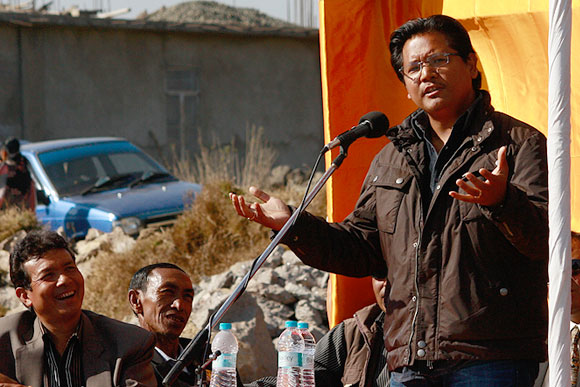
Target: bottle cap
{"x": 225, "y": 326}
{"x": 302, "y": 324}
{"x": 291, "y": 324}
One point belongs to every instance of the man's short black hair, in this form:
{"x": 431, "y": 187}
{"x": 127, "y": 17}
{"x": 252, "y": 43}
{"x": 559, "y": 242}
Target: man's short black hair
{"x": 456, "y": 34}
{"x": 12, "y": 145}
{"x": 139, "y": 279}
{"x": 34, "y": 245}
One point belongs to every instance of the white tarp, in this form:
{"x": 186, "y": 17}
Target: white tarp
{"x": 559, "y": 190}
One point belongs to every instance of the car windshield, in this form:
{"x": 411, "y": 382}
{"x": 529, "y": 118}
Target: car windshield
{"x": 98, "y": 167}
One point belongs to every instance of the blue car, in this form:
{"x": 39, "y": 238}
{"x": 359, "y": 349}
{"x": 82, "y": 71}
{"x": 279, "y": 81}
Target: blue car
{"x": 102, "y": 183}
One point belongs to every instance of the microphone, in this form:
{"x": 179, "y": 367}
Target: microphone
{"x": 371, "y": 125}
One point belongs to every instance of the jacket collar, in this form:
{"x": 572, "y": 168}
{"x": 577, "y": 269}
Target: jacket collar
{"x": 403, "y": 135}
{"x": 366, "y": 320}
{"x": 29, "y": 357}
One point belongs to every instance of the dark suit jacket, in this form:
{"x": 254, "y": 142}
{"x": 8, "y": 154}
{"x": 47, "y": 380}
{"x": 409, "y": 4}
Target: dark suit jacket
{"x": 161, "y": 368}
{"x": 114, "y": 353}
{"x": 184, "y": 379}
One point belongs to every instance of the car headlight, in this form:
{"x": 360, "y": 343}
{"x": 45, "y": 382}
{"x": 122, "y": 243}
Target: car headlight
{"x": 130, "y": 226}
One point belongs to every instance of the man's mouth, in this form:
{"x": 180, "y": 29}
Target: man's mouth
{"x": 431, "y": 90}
{"x": 66, "y": 295}
{"x": 176, "y": 318}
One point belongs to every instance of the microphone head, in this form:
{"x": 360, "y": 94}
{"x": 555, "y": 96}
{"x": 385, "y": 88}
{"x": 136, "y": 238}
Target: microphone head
{"x": 379, "y": 124}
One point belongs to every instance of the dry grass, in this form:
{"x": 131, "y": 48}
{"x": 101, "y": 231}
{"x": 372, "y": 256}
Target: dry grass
{"x": 226, "y": 163}
{"x": 205, "y": 240}
{"x": 209, "y": 237}
{"x": 14, "y": 219}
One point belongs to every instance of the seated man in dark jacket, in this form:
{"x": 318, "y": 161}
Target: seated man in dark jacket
{"x": 352, "y": 353}
{"x": 161, "y": 296}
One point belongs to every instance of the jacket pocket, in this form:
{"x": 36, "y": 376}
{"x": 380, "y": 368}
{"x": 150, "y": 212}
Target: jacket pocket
{"x": 391, "y": 185}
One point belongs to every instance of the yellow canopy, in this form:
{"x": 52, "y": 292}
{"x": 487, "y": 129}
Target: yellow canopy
{"x": 511, "y": 40}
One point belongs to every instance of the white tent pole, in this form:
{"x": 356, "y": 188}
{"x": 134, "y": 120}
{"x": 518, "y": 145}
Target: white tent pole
{"x": 559, "y": 269}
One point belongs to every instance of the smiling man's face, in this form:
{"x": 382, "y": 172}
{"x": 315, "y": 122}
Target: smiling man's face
{"x": 56, "y": 288}
{"x": 166, "y": 304}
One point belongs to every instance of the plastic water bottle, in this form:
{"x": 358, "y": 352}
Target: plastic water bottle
{"x": 290, "y": 347}
{"x": 307, "y": 355}
{"x": 223, "y": 372}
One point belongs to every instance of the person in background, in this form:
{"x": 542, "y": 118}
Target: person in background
{"x": 352, "y": 353}
{"x": 16, "y": 185}
{"x": 543, "y": 377}
{"x": 55, "y": 342}
{"x": 161, "y": 296}
{"x": 453, "y": 212}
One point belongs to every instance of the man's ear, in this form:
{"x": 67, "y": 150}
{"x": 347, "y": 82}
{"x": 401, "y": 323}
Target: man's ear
{"x": 135, "y": 301}
{"x": 23, "y": 296}
{"x": 472, "y": 61}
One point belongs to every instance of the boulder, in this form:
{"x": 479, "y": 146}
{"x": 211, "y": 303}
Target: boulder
{"x": 4, "y": 261}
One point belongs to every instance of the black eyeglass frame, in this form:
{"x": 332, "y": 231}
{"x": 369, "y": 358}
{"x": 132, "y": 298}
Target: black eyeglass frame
{"x": 427, "y": 62}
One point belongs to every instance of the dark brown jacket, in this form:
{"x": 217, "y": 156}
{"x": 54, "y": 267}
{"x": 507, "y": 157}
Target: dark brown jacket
{"x": 467, "y": 282}
{"x": 363, "y": 347}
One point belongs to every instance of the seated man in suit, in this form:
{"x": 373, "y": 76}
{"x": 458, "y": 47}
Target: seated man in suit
{"x": 55, "y": 342}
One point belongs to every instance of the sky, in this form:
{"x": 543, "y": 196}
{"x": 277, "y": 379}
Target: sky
{"x": 281, "y": 9}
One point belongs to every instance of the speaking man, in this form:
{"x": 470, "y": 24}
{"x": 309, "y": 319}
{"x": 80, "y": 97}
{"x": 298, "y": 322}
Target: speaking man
{"x": 456, "y": 206}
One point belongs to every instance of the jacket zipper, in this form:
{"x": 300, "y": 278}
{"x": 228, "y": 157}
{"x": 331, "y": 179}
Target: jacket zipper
{"x": 414, "y": 322}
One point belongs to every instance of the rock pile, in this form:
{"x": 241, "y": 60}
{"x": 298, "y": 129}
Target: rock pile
{"x": 210, "y": 12}
{"x": 282, "y": 289}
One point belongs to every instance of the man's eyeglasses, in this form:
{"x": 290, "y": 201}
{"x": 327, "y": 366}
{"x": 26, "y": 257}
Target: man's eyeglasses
{"x": 435, "y": 61}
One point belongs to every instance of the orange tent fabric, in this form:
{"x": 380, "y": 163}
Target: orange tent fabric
{"x": 510, "y": 38}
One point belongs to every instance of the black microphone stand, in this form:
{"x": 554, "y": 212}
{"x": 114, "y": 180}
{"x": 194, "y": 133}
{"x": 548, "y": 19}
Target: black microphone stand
{"x": 189, "y": 352}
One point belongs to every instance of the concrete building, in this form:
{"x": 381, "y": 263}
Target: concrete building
{"x": 160, "y": 84}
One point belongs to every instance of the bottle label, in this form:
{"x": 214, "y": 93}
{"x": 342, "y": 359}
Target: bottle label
{"x": 225, "y": 360}
{"x": 289, "y": 359}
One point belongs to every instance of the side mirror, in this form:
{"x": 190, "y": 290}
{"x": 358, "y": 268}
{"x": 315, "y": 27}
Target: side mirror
{"x": 41, "y": 197}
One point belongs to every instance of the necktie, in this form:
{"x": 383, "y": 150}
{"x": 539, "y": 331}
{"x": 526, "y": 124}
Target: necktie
{"x": 574, "y": 355}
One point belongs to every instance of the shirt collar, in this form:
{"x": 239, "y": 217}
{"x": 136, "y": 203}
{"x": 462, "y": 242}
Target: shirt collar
{"x": 420, "y": 121}
{"x": 165, "y": 356}
{"x": 75, "y": 336}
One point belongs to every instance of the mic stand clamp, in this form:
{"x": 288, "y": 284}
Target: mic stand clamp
{"x": 200, "y": 371}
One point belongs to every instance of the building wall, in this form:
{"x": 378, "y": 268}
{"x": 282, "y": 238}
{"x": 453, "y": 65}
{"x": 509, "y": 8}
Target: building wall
{"x": 80, "y": 81}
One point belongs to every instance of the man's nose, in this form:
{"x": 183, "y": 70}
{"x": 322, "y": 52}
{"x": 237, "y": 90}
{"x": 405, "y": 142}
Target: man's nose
{"x": 63, "y": 278}
{"x": 177, "y": 303}
{"x": 427, "y": 71}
